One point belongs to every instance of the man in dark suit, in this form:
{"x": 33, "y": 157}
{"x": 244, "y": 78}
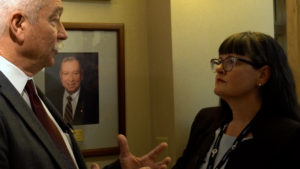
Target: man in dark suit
{"x": 84, "y": 104}
{"x": 32, "y": 133}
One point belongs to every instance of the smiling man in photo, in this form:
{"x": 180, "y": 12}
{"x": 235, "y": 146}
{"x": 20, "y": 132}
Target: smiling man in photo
{"x": 77, "y": 105}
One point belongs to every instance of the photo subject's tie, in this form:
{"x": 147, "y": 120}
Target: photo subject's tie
{"x": 68, "y": 111}
{"x": 48, "y": 124}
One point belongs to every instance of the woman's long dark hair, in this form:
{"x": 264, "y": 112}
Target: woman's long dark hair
{"x": 279, "y": 93}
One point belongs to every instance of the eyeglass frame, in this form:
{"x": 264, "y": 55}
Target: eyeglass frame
{"x": 240, "y": 59}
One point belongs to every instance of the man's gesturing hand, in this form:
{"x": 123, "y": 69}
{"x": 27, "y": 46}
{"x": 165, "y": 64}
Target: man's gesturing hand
{"x": 129, "y": 161}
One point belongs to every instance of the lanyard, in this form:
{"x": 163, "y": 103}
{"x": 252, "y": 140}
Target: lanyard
{"x": 215, "y": 150}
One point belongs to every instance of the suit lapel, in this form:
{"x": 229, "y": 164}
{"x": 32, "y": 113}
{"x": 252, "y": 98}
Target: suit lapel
{"x": 55, "y": 113}
{"x": 18, "y": 103}
{"x": 79, "y": 110}
{"x": 76, "y": 151}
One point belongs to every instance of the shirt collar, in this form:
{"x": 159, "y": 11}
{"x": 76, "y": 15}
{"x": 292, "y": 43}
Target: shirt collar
{"x": 74, "y": 95}
{"x": 15, "y": 75}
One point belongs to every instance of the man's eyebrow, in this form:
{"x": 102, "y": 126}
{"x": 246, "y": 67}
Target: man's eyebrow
{"x": 58, "y": 10}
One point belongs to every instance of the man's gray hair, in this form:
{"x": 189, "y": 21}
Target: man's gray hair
{"x": 69, "y": 59}
{"x": 29, "y": 7}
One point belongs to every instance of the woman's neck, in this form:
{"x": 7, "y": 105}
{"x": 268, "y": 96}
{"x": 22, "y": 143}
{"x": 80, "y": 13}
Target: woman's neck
{"x": 243, "y": 111}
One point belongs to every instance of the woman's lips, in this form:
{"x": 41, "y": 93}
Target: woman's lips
{"x": 220, "y": 80}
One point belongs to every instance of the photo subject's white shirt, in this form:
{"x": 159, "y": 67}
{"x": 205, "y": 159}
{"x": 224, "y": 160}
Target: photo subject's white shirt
{"x": 19, "y": 79}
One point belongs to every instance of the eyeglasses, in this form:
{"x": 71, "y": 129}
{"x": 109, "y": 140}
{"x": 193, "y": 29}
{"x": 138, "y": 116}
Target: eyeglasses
{"x": 228, "y": 63}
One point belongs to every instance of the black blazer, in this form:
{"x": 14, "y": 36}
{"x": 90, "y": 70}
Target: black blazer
{"x": 24, "y": 143}
{"x": 87, "y": 109}
{"x": 275, "y": 143}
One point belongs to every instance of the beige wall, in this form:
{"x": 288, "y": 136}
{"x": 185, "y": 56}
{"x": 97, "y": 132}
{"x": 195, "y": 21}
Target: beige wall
{"x": 168, "y": 45}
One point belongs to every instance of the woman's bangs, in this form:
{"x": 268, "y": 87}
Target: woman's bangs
{"x": 236, "y": 44}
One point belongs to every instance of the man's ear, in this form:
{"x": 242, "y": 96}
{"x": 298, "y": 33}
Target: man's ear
{"x": 265, "y": 73}
{"x": 17, "y": 22}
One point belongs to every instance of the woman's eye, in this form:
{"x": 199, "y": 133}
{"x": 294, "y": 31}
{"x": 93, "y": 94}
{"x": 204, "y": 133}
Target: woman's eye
{"x": 230, "y": 61}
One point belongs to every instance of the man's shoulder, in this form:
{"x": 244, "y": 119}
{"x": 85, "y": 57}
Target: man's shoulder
{"x": 7, "y": 87}
{"x": 84, "y": 93}
{"x": 4, "y": 80}
{"x": 55, "y": 92}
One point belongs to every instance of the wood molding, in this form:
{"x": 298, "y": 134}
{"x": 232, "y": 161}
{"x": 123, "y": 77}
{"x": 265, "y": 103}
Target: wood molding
{"x": 293, "y": 39}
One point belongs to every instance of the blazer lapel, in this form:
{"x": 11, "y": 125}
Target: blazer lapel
{"x": 76, "y": 151}
{"x": 18, "y": 103}
{"x": 55, "y": 113}
{"x": 207, "y": 138}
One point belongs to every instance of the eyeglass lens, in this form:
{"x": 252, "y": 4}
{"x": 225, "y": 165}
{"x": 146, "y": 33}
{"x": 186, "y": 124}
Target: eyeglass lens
{"x": 228, "y": 64}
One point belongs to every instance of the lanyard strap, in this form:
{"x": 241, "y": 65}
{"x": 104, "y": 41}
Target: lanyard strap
{"x": 215, "y": 150}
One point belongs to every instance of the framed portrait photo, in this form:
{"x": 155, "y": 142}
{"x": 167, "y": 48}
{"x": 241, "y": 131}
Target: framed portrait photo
{"x": 87, "y": 85}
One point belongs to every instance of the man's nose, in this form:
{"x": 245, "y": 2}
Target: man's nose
{"x": 62, "y": 33}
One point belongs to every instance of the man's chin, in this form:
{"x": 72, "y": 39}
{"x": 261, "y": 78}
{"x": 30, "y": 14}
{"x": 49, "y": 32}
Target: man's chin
{"x": 50, "y": 63}
{"x": 55, "y": 52}
{"x": 71, "y": 91}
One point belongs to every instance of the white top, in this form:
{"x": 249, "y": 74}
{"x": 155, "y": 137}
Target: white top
{"x": 19, "y": 79}
{"x": 225, "y": 144}
{"x": 74, "y": 101}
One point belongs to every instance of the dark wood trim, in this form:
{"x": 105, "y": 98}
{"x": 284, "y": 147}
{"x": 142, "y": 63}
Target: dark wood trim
{"x": 293, "y": 39}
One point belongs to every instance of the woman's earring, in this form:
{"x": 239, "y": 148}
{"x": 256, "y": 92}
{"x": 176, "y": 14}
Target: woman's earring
{"x": 259, "y": 85}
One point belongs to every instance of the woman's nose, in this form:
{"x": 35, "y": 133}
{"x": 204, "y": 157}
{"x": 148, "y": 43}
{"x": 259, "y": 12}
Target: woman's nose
{"x": 220, "y": 68}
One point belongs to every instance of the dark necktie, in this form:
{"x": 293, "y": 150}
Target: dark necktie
{"x": 48, "y": 124}
{"x": 68, "y": 111}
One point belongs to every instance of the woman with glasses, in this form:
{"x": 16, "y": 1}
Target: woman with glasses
{"x": 257, "y": 122}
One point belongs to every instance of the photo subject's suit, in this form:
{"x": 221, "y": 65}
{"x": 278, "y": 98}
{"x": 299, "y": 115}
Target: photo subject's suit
{"x": 24, "y": 143}
{"x": 87, "y": 109}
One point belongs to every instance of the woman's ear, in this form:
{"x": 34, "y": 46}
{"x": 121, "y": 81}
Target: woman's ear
{"x": 264, "y": 75}
{"x": 17, "y": 22}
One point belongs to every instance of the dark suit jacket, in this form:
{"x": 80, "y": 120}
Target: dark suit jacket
{"x": 275, "y": 143}
{"x": 87, "y": 109}
{"x": 24, "y": 143}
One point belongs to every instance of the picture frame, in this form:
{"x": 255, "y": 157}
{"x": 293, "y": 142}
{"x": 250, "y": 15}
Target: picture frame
{"x": 104, "y": 41}
{"x": 85, "y": 0}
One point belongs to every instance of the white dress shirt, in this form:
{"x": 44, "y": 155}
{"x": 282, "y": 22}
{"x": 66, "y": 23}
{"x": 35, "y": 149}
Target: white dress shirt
{"x": 19, "y": 79}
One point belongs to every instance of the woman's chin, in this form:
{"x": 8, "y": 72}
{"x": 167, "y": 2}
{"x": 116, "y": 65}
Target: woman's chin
{"x": 221, "y": 94}
{"x": 217, "y": 92}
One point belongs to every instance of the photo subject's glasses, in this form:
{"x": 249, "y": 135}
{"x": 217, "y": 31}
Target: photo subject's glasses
{"x": 228, "y": 63}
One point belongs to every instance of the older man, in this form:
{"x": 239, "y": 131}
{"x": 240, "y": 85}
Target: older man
{"x": 77, "y": 105}
{"x": 32, "y": 133}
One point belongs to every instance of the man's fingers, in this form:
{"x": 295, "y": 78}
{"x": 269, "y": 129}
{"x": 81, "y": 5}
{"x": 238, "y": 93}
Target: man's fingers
{"x": 163, "y": 167}
{"x": 157, "y": 150}
{"x": 95, "y": 166}
{"x": 167, "y": 160}
{"x": 124, "y": 149}
{"x": 164, "y": 163}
